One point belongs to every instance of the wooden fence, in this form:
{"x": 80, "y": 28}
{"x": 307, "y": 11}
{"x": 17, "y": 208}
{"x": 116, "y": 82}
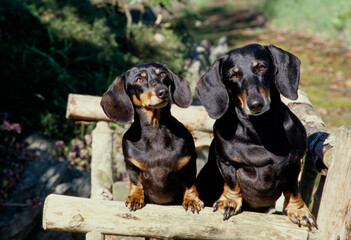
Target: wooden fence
{"x": 328, "y": 155}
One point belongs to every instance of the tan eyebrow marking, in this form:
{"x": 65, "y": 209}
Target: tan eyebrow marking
{"x": 157, "y": 71}
{"x": 140, "y": 165}
{"x": 181, "y": 163}
{"x": 236, "y": 69}
{"x": 255, "y": 64}
{"x": 143, "y": 74}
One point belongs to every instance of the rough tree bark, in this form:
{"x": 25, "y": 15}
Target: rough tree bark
{"x": 65, "y": 213}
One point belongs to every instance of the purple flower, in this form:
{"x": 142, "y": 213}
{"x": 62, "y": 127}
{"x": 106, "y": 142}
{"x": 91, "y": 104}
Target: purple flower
{"x": 87, "y": 138}
{"x": 84, "y": 153}
{"x": 79, "y": 143}
{"x": 19, "y": 166}
{"x": 6, "y": 125}
{"x": 37, "y": 201}
{"x": 16, "y": 127}
{"x": 59, "y": 144}
{"x": 11, "y": 127}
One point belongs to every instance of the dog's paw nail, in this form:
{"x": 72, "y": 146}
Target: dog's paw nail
{"x": 315, "y": 225}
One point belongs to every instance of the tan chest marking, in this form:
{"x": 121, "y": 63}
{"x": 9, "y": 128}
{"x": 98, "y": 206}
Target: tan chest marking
{"x": 138, "y": 164}
{"x": 182, "y": 162}
{"x": 236, "y": 159}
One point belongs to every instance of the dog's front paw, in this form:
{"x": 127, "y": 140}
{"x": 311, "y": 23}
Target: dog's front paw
{"x": 230, "y": 202}
{"x": 135, "y": 202}
{"x": 194, "y": 204}
{"x": 298, "y": 212}
{"x": 228, "y": 207}
{"x": 301, "y": 215}
{"x": 192, "y": 201}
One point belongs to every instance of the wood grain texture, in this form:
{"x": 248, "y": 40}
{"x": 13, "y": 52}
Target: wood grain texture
{"x": 334, "y": 217}
{"x": 195, "y": 118}
{"x": 87, "y": 108}
{"x": 75, "y": 214}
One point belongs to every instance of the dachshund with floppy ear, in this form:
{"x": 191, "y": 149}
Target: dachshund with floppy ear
{"x": 159, "y": 151}
{"x": 258, "y": 142}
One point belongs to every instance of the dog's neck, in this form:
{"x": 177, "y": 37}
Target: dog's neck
{"x": 153, "y": 117}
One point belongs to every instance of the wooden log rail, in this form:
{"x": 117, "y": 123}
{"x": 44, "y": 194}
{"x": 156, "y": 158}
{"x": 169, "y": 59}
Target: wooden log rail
{"x": 99, "y": 217}
{"x": 75, "y": 214}
{"x": 196, "y": 119}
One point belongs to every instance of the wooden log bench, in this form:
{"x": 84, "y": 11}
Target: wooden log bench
{"x": 100, "y": 218}
{"x": 75, "y": 214}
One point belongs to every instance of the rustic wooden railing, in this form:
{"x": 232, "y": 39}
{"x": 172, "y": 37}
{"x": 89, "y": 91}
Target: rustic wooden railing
{"x": 328, "y": 154}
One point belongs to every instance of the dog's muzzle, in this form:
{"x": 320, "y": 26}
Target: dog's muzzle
{"x": 256, "y": 105}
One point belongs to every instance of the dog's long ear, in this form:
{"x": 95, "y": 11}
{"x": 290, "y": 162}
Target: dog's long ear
{"x": 180, "y": 90}
{"x": 287, "y": 71}
{"x": 212, "y": 92}
{"x": 116, "y": 103}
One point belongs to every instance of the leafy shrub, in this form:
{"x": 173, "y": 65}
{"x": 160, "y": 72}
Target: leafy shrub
{"x": 50, "y": 48}
{"x": 14, "y": 155}
{"x": 80, "y": 153}
{"x": 79, "y": 149}
{"x": 154, "y": 44}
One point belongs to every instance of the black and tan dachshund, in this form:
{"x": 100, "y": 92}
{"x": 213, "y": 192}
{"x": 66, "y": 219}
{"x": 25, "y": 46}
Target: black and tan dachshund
{"x": 258, "y": 142}
{"x": 158, "y": 150}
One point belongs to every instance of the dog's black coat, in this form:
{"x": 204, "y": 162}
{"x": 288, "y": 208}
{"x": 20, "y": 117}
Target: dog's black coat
{"x": 159, "y": 151}
{"x": 258, "y": 142}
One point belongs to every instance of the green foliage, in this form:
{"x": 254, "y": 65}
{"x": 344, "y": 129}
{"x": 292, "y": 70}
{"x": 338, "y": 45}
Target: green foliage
{"x": 158, "y": 2}
{"x": 50, "y": 48}
{"x": 147, "y": 42}
{"x": 329, "y": 17}
{"x": 153, "y": 2}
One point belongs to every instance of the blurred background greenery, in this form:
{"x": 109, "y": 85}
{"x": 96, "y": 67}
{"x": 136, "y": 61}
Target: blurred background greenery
{"x": 329, "y": 17}
{"x": 50, "y": 48}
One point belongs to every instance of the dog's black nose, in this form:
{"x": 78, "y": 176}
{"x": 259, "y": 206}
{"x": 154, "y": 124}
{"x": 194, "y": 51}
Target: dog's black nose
{"x": 255, "y": 106}
{"x": 162, "y": 93}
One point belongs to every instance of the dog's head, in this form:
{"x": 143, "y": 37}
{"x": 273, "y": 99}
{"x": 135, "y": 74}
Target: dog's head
{"x": 247, "y": 74}
{"x": 148, "y": 86}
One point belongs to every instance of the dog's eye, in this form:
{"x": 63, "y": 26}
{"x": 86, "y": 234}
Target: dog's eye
{"x": 139, "y": 80}
{"x": 262, "y": 68}
{"x": 162, "y": 75}
{"x": 234, "y": 76}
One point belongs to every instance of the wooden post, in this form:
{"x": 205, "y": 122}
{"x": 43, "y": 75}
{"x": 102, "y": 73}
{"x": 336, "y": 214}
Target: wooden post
{"x": 101, "y": 168}
{"x": 320, "y": 143}
{"x": 334, "y": 218}
{"x": 64, "y": 213}
{"x": 94, "y": 236}
{"x": 101, "y": 163}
